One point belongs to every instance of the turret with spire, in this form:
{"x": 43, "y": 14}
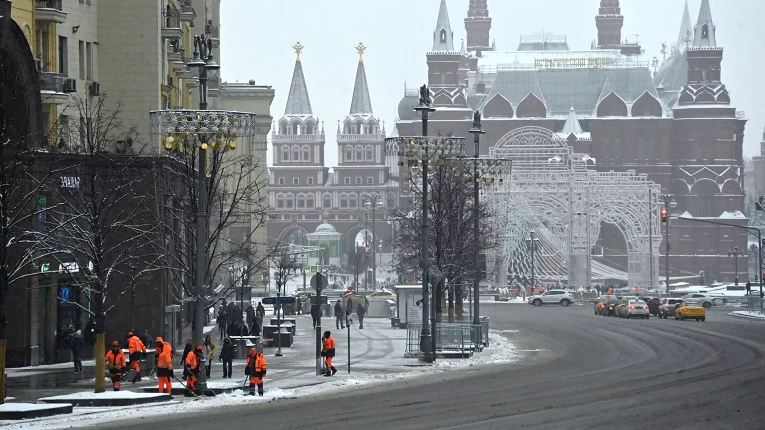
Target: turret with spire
{"x": 298, "y": 138}
{"x": 704, "y": 64}
{"x": 685, "y": 37}
{"x": 359, "y": 137}
{"x": 609, "y": 22}
{"x": 478, "y": 27}
{"x": 444, "y": 62}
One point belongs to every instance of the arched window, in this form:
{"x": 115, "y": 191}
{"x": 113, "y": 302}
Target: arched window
{"x": 281, "y": 181}
{"x": 363, "y": 198}
{"x": 359, "y": 153}
{"x": 309, "y": 181}
{"x": 390, "y": 200}
{"x": 295, "y": 181}
{"x": 353, "y": 200}
{"x": 283, "y": 128}
{"x": 309, "y": 128}
{"x": 343, "y": 201}
{"x": 309, "y": 201}
{"x": 285, "y": 153}
{"x": 300, "y": 201}
{"x": 372, "y": 127}
{"x": 306, "y": 154}
{"x": 370, "y": 180}
{"x": 347, "y": 180}
{"x": 443, "y": 36}
{"x": 296, "y": 153}
{"x": 705, "y": 31}
{"x": 289, "y": 201}
{"x": 348, "y": 156}
{"x": 295, "y": 128}
{"x": 280, "y": 203}
{"x": 358, "y": 180}
{"x": 326, "y": 200}
{"x": 370, "y": 153}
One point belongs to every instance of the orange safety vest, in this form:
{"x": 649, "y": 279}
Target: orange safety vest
{"x": 135, "y": 345}
{"x": 260, "y": 364}
{"x": 165, "y": 359}
{"x": 329, "y": 346}
{"x": 192, "y": 361}
{"x": 115, "y": 362}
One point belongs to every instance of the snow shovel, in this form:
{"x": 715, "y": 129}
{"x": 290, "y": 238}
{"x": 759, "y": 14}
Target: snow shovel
{"x": 184, "y": 386}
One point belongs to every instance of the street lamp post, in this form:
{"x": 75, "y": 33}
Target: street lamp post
{"x": 184, "y": 129}
{"x": 373, "y": 201}
{"x": 476, "y": 130}
{"x": 669, "y": 203}
{"x": 532, "y": 243}
{"x": 424, "y": 150}
{"x": 735, "y": 255}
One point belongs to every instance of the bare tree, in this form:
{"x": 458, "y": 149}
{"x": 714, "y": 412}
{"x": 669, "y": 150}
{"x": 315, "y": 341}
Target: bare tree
{"x": 452, "y": 241}
{"x": 359, "y": 262}
{"x": 24, "y": 174}
{"x": 237, "y": 210}
{"x": 102, "y": 229}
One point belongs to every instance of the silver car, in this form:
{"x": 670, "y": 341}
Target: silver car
{"x": 635, "y": 308}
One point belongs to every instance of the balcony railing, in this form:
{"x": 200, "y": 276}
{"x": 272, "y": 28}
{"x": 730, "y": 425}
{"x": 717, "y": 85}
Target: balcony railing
{"x": 342, "y": 137}
{"x": 53, "y": 82}
{"x": 295, "y": 137}
{"x": 49, "y": 4}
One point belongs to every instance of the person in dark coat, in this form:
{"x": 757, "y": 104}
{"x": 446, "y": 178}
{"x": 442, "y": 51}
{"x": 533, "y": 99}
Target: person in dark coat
{"x": 186, "y": 350}
{"x": 250, "y": 315}
{"x": 339, "y": 320}
{"x": 222, "y": 319}
{"x": 226, "y": 356}
{"x": 315, "y": 313}
{"x": 361, "y": 311}
{"x": 77, "y": 345}
{"x": 260, "y": 309}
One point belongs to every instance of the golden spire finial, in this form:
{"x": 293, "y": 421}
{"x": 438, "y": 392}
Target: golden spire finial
{"x": 361, "y": 49}
{"x": 298, "y": 47}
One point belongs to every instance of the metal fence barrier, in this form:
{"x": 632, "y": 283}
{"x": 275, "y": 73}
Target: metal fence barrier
{"x": 461, "y": 338}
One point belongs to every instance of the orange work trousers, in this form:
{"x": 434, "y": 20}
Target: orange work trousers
{"x": 135, "y": 365}
{"x": 165, "y": 384}
{"x": 329, "y": 364}
{"x": 116, "y": 378}
{"x": 191, "y": 382}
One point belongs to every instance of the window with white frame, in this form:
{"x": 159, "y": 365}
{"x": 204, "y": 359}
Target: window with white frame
{"x": 306, "y": 154}
{"x": 348, "y": 156}
{"x": 281, "y": 181}
{"x": 370, "y": 153}
{"x": 326, "y": 200}
{"x": 289, "y": 201}
{"x": 353, "y": 200}
{"x": 295, "y": 181}
{"x": 347, "y": 180}
{"x": 300, "y": 201}
{"x": 295, "y": 153}
{"x": 370, "y": 180}
{"x": 309, "y": 181}
{"x": 343, "y": 201}
{"x": 359, "y": 153}
{"x": 358, "y": 180}
{"x": 280, "y": 201}
{"x": 285, "y": 153}
{"x": 309, "y": 201}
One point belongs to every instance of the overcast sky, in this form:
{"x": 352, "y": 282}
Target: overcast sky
{"x": 257, "y": 35}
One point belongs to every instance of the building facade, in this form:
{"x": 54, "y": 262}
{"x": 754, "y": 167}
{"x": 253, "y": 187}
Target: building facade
{"x": 313, "y": 204}
{"x": 676, "y": 125}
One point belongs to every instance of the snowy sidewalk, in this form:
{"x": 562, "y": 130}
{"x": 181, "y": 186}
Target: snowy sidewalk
{"x": 376, "y": 357}
{"x": 748, "y": 314}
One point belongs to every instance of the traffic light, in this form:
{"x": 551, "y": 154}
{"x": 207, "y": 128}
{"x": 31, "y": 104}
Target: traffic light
{"x": 664, "y": 214}
{"x": 366, "y": 250}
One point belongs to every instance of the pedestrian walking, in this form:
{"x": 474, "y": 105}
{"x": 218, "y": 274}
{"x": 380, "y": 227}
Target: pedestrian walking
{"x": 137, "y": 350}
{"x": 250, "y": 315}
{"x": 192, "y": 365}
{"x": 361, "y": 311}
{"x": 328, "y": 352}
{"x": 209, "y": 354}
{"x": 748, "y": 288}
{"x": 315, "y": 314}
{"x": 261, "y": 310}
{"x": 339, "y": 315}
{"x": 165, "y": 367}
{"x": 255, "y": 368}
{"x": 226, "y": 356}
{"x": 186, "y": 350}
{"x": 77, "y": 344}
{"x": 222, "y": 320}
{"x": 115, "y": 361}
{"x": 147, "y": 340}
{"x": 257, "y": 325}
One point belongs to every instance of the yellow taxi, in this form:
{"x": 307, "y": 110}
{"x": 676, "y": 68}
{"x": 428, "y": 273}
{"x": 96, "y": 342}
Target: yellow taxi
{"x": 601, "y": 304}
{"x": 690, "y": 309}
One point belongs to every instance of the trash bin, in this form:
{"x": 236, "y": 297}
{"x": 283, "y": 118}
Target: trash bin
{"x": 485, "y": 330}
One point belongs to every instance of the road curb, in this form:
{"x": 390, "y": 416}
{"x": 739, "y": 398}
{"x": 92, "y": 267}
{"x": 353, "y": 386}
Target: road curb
{"x": 746, "y": 316}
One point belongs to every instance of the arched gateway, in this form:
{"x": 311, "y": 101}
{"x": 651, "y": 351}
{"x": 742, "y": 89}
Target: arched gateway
{"x": 553, "y": 192}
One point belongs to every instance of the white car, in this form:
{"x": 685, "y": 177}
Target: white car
{"x": 702, "y": 298}
{"x": 635, "y": 308}
{"x": 552, "y": 297}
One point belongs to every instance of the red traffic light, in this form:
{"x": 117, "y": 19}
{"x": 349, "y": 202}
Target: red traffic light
{"x": 366, "y": 250}
{"x": 664, "y": 214}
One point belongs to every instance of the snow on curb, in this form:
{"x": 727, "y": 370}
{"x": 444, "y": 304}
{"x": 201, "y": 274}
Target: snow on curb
{"x": 748, "y": 314}
{"x": 500, "y": 351}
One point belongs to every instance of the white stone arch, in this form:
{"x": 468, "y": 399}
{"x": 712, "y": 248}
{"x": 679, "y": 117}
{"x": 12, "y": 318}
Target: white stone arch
{"x": 552, "y": 191}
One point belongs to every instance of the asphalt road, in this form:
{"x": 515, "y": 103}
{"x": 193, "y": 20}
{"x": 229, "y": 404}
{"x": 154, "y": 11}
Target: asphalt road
{"x": 577, "y": 371}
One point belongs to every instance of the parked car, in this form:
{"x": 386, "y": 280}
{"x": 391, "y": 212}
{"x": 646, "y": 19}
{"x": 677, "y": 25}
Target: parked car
{"x": 668, "y": 306}
{"x": 691, "y": 309}
{"x": 635, "y": 308}
{"x": 706, "y": 301}
{"x": 622, "y": 303}
{"x": 552, "y": 297}
{"x": 601, "y": 303}
{"x": 653, "y": 305}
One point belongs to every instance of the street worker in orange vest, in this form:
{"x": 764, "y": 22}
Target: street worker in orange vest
{"x": 137, "y": 350}
{"x": 157, "y": 351}
{"x": 193, "y": 368}
{"x": 164, "y": 367}
{"x": 115, "y": 362}
{"x": 256, "y": 369}
{"x": 328, "y": 351}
